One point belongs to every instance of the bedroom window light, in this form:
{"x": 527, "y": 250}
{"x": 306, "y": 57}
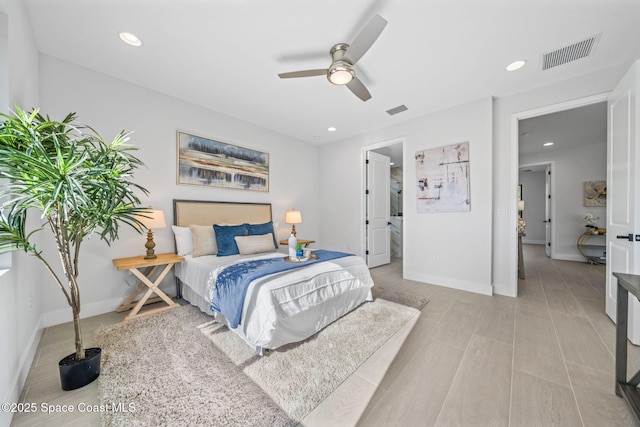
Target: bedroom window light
{"x": 151, "y": 218}
{"x": 293, "y": 217}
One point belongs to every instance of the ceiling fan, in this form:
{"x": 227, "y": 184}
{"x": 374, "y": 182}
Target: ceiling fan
{"x": 344, "y": 57}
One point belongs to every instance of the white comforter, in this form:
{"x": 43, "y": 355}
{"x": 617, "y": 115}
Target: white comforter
{"x": 284, "y": 307}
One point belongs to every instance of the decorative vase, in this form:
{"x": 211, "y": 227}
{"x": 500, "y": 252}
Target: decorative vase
{"x": 521, "y": 226}
{"x": 78, "y": 373}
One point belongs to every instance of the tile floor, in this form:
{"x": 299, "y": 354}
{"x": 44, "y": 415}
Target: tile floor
{"x": 545, "y": 358}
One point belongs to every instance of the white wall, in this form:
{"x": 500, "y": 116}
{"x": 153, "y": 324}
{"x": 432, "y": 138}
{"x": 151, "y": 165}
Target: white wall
{"x": 20, "y": 321}
{"x": 572, "y": 168}
{"x": 447, "y": 249}
{"x": 109, "y": 105}
{"x": 342, "y": 167}
{"x": 505, "y": 161}
{"x": 4, "y": 61}
{"x": 533, "y": 194}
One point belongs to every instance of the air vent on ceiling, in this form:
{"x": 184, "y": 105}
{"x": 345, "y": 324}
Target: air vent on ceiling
{"x": 396, "y": 110}
{"x": 570, "y": 53}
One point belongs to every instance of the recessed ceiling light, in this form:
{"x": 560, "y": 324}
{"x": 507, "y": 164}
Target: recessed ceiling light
{"x": 130, "y": 39}
{"x": 331, "y": 129}
{"x": 515, "y": 65}
{"x": 391, "y": 163}
{"x": 548, "y": 144}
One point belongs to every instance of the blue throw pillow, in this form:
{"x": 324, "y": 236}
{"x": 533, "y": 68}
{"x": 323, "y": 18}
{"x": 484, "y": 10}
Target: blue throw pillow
{"x": 225, "y": 238}
{"x": 260, "y": 229}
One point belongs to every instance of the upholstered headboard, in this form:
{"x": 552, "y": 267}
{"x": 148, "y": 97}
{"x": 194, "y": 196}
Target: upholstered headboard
{"x": 202, "y": 212}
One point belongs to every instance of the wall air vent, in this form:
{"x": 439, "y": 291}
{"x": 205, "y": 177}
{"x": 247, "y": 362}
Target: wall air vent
{"x": 570, "y": 53}
{"x": 396, "y": 110}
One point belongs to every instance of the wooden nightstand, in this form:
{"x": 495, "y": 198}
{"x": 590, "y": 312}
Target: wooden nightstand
{"x": 148, "y": 279}
{"x": 303, "y": 242}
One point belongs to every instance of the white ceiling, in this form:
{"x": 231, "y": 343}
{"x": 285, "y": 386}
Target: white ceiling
{"x": 566, "y": 129}
{"x": 225, "y": 54}
{"x": 395, "y": 154}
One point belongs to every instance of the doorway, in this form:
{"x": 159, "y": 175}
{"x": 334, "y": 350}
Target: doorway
{"x": 567, "y": 210}
{"x": 383, "y": 233}
{"x": 536, "y": 204}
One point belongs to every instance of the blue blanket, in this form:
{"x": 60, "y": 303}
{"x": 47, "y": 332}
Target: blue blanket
{"x": 233, "y": 281}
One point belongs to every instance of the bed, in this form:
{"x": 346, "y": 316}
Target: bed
{"x": 279, "y": 308}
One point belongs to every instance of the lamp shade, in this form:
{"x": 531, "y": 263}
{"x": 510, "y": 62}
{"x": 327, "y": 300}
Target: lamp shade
{"x": 520, "y": 205}
{"x": 293, "y": 217}
{"x": 340, "y": 74}
{"x": 152, "y": 218}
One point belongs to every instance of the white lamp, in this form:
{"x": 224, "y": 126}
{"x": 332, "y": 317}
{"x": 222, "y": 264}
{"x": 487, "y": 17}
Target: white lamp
{"x": 520, "y": 205}
{"x": 293, "y": 217}
{"x": 150, "y": 219}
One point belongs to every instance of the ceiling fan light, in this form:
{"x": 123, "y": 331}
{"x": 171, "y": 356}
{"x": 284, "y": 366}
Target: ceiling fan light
{"x": 340, "y": 74}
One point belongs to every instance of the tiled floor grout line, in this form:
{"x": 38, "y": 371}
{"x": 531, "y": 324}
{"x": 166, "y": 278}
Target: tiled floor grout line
{"x": 453, "y": 381}
{"x": 513, "y": 364}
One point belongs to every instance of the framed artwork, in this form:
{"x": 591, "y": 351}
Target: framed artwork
{"x": 595, "y": 193}
{"x": 211, "y": 163}
{"x": 443, "y": 179}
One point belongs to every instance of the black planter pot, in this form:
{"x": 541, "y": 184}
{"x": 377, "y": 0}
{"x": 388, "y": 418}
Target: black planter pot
{"x": 78, "y": 373}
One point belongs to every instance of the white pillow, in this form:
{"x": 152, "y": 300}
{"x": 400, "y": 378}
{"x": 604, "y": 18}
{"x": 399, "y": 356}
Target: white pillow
{"x": 204, "y": 240}
{"x": 255, "y": 244}
{"x": 184, "y": 240}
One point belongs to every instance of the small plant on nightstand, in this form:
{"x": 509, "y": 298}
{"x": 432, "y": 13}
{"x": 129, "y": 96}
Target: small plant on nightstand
{"x": 78, "y": 185}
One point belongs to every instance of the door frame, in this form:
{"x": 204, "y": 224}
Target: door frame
{"x": 551, "y": 202}
{"x": 363, "y": 199}
{"x": 515, "y": 166}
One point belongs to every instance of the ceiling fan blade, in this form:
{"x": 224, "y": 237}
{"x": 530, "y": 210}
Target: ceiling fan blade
{"x": 307, "y": 55}
{"x": 365, "y": 38}
{"x": 359, "y": 89}
{"x": 305, "y": 73}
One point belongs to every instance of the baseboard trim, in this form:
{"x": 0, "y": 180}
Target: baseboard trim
{"x": 447, "y": 282}
{"x": 20, "y": 376}
{"x": 569, "y": 257}
{"x": 533, "y": 242}
{"x": 57, "y": 317}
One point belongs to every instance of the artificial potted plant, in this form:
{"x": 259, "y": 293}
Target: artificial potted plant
{"x": 78, "y": 185}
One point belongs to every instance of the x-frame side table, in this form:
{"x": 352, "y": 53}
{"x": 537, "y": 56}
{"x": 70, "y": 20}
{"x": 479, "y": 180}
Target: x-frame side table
{"x": 156, "y": 270}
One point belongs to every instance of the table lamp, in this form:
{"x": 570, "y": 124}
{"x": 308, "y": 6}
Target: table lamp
{"x": 150, "y": 219}
{"x": 293, "y": 217}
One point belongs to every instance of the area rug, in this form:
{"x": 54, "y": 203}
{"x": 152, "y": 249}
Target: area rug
{"x": 180, "y": 368}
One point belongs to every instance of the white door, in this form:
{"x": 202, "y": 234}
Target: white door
{"x": 378, "y": 210}
{"x": 623, "y": 204}
{"x": 547, "y": 211}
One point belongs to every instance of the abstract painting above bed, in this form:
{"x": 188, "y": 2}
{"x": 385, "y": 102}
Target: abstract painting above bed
{"x": 280, "y": 307}
{"x": 204, "y": 161}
